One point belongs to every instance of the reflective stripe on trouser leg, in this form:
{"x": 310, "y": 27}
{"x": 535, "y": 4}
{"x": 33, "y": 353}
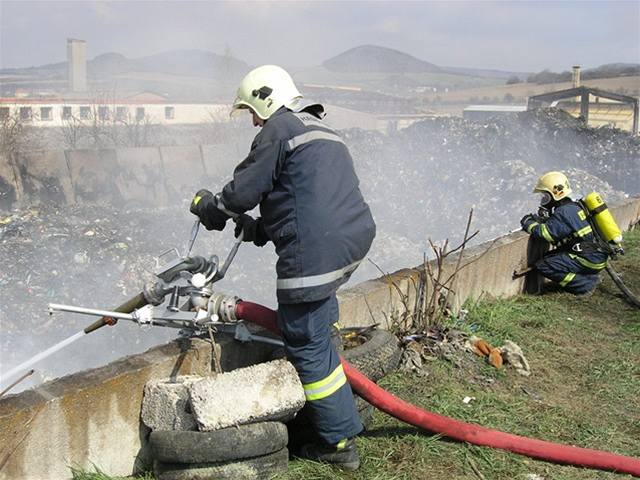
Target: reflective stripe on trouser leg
{"x": 306, "y": 331}
{"x": 568, "y": 273}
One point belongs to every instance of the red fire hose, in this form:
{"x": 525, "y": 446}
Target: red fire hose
{"x": 465, "y": 432}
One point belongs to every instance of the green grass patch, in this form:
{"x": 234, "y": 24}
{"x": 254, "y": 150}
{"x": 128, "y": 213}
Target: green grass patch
{"x": 584, "y": 390}
{"x": 96, "y": 473}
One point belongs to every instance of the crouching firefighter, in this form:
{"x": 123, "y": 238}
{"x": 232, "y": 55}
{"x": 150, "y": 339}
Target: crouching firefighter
{"x": 300, "y": 173}
{"x": 578, "y": 256}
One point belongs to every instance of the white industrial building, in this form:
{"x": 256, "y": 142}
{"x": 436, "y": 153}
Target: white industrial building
{"x": 148, "y": 108}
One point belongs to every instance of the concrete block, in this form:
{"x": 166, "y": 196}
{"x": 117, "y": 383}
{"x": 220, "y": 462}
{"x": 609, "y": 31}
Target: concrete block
{"x": 268, "y": 391}
{"x": 165, "y": 405}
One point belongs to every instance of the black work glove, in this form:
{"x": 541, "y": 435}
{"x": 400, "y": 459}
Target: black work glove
{"x": 543, "y": 213}
{"x": 252, "y": 228}
{"x": 204, "y": 206}
{"x": 526, "y": 221}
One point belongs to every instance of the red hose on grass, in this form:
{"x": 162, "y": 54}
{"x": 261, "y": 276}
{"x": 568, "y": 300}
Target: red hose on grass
{"x": 465, "y": 432}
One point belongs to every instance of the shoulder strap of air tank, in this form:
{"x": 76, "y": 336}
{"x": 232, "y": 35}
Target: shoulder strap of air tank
{"x": 599, "y": 241}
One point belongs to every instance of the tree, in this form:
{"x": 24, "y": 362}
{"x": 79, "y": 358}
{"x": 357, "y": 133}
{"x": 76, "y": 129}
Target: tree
{"x": 513, "y": 79}
{"x": 137, "y": 129}
{"x": 71, "y": 131}
{"x": 12, "y": 134}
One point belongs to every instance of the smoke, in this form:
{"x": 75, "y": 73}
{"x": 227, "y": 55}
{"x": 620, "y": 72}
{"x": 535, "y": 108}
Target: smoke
{"x": 420, "y": 182}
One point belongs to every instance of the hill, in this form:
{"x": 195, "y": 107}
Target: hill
{"x": 191, "y": 63}
{"x": 375, "y": 59}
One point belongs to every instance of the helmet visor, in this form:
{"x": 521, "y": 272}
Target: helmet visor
{"x": 545, "y": 198}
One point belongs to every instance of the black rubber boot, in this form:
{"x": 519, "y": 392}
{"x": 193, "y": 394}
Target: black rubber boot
{"x": 344, "y": 454}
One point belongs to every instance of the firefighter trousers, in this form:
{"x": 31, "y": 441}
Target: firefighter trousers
{"x": 306, "y": 331}
{"x": 568, "y": 273}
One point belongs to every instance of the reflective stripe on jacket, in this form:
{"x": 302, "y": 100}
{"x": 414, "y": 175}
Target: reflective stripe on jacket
{"x": 567, "y": 225}
{"x": 301, "y": 174}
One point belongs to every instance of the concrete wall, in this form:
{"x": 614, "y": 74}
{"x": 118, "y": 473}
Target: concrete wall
{"x": 487, "y": 270}
{"x": 153, "y": 175}
{"x": 93, "y": 417}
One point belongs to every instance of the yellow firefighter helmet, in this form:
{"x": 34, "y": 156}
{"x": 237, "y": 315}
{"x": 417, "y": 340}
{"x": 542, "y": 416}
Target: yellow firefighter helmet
{"x": 555, "y": 184}
{"x": 264, "y": 90}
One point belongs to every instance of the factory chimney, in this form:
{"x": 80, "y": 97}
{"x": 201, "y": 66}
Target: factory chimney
{"x": 77, "y": 64}
{"x": 576, "y": 76}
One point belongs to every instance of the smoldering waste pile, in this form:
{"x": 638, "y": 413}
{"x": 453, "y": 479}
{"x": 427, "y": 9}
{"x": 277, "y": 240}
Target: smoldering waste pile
{"x": 420, "y": 182}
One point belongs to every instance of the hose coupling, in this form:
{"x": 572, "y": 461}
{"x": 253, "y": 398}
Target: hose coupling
{"x": 224, "y": 306}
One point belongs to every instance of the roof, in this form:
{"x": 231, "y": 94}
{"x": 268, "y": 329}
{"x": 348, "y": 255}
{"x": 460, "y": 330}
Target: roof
{"x": 495, "y": 108}
{"x": 577, "y": 91}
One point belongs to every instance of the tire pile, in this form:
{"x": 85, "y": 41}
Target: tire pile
{"x": 222, "y": 427}
{"x": 253, "y": 451}
{"x": 257, "y": 450}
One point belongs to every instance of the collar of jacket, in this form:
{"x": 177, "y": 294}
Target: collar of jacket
{"x": 561, "y": 202}
{"x": 314, "y": 108}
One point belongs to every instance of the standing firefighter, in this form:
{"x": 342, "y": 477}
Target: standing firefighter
{"x": 301, "y": 174}
{"x": 578, "y": 258}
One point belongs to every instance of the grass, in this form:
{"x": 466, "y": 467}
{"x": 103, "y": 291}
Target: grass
{"x": 78, "y": 473}
{"x": 584, "y": 390}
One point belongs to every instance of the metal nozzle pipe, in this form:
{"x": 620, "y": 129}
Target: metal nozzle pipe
{"x": 129, "y": 306}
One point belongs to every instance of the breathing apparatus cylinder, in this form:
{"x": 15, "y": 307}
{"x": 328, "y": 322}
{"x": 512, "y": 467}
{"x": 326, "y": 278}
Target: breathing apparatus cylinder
{"x": 602, "y": 217}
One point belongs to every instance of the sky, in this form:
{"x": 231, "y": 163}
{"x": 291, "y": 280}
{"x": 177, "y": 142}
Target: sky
{"x": 504, "y": 35}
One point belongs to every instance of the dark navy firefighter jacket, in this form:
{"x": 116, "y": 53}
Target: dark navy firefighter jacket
{"x": 569, "y": 230}
{"x": 301, "y": 174}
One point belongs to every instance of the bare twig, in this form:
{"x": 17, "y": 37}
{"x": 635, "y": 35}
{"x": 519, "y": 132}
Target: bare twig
{"x": 369, "y": 308}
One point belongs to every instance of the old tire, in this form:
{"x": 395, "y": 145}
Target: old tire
{"x": 366, "y": 415}
{"x": 378, "y": 356}
{"x": 245, "y": 441}
{"x": 257, "y": 468}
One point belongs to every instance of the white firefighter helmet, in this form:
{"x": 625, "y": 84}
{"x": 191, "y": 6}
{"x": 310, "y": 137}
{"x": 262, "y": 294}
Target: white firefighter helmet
{"x": 555, "y": 184}
{"x": 264, "y": 90}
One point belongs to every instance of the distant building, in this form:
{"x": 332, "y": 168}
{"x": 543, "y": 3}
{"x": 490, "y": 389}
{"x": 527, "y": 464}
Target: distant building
{"x": 595, "y": 107}
{"x": 145, "y": 107}
{"x": 480, "y": 113}
{"x": 77, "y": 64}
